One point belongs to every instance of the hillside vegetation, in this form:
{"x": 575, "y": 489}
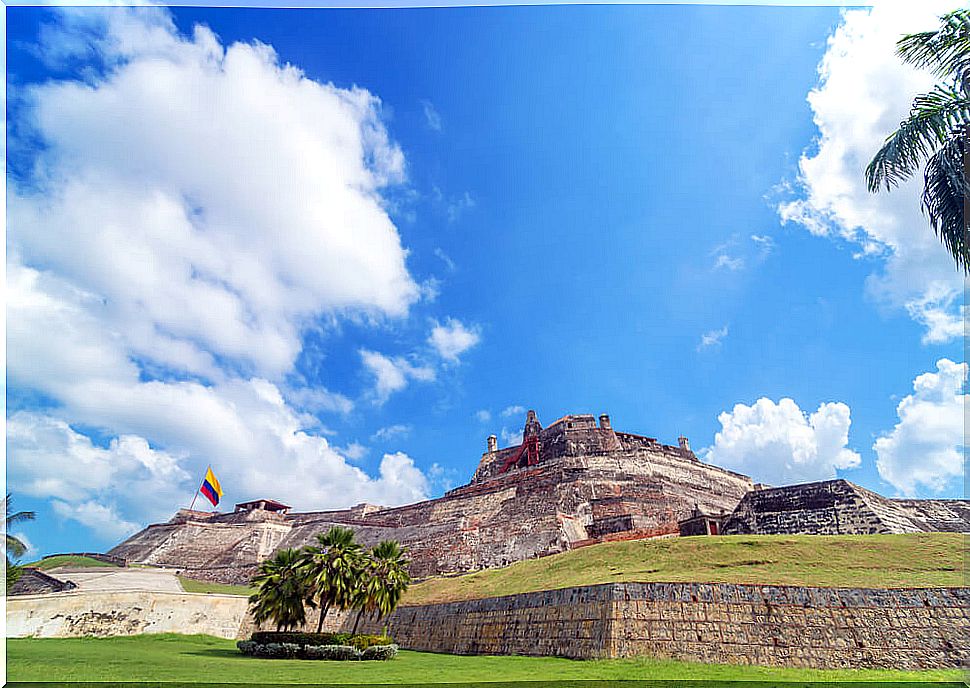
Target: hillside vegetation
{"x": 69, "y": 560}
{"x": 875, "y": 561}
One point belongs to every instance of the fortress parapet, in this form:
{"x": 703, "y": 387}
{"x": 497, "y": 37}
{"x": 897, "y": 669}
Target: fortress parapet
{"x": 571, "y": 435}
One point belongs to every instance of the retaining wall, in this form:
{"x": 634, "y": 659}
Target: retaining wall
{"x": 81, "y": 613}
{"x": 699, "y": 622}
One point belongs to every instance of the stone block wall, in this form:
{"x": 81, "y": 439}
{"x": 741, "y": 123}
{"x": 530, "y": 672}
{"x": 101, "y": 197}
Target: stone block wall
{"x": 699, "y": 622}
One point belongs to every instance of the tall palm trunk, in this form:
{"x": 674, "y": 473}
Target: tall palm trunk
{"x": 360, "y": 613}
{"x": 324, "y": 608}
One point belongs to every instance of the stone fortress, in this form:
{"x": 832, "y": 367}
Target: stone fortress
{"x": 573, "y": 483}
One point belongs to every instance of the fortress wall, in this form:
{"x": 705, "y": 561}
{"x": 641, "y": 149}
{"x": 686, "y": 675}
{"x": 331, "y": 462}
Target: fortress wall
{"x": 75, "y": 614}
{"x": 838, "y": 507}
{"x": 697, "y": 622}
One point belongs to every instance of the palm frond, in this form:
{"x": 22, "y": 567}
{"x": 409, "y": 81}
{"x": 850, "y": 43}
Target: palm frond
{"x": 933, "y": 120}
{"x": 945, "y": 196}
{"x": 945, "y": 51}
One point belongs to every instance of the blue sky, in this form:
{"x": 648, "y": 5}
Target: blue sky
{"x": 333, "y": 280}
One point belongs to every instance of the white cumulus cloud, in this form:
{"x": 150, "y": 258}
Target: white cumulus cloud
{"x": 210, "y": 198}
{"x": 451, "y": 339}
{"x": 192, "y": 207}
{"x": 864, "y": 91}
{"x": 779, "y": 444}
{"x": 392, "y": 374}
{"x": 925, "y": 448}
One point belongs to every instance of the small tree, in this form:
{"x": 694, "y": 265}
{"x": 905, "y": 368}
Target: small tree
{"x": 281, "y": 591}
{"x": 385, "y": 579}
{"x": 14, "y": 548}
{"x": 332, "y": 570}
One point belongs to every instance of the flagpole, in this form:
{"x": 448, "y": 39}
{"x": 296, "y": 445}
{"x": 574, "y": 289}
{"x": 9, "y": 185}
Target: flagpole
{"x": 196, "y": 495}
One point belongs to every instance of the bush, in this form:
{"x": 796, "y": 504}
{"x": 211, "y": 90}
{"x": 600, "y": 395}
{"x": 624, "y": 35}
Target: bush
{"x": 270, "y": 650}
{"x": 361, "y": 642}
{"x": 332, "y": 652}
{"x": 380, "y": 652}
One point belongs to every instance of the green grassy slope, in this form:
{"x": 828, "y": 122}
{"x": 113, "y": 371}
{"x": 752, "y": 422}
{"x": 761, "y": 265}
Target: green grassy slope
{"x": 878, "y": 561}
{"x": 59, "y": 560}
{"x": 173, "y": 658}
{"x": 192, "y": 585}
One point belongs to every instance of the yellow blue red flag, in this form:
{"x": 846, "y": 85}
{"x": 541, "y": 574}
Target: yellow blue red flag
{"x": 211, "y": 489}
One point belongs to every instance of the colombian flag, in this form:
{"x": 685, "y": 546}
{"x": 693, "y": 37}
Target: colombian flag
{"x": 211, "y": 489}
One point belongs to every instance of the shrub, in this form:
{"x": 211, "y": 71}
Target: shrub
{"x": 361, "y": 642}
{"x": 247, "y": 647}
{"x": 380, "y": 652}
{"x": 271, "y": 650}
{"x": 332, "y": 652}
{"x": 290, "y": 650}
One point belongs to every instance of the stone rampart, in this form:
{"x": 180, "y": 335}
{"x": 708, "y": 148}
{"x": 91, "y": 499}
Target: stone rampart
{"x": 84, "y": 613}
{"x": 699, "y": 622}
{"x": 838, "y": 507}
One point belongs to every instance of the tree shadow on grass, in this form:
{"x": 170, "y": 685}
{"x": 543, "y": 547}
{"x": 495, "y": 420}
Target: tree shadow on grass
{"x": 218, "y": 652}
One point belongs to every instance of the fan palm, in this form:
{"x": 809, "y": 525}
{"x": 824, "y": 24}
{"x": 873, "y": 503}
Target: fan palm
{"x": 281, "y": 590}
{"x": 332, "y": 570}
{"x": 387, "y": 579}
{"x": 935, "y": 133}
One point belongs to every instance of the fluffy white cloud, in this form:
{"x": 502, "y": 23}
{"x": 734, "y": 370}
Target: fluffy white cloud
{"x": 483, "y": 415}
{"x": 452, "y": 339}
{"x": 192, "y": 208}
{"x": 49, "y": 459}
{"x": 392, "y": 374}
{"x": 779, "y": 444}
{"x": 211, "y": 198}
{"x": 103, "y": 520}
{"x": 513, "y": 410}
{"x": 712, "y": 338}
{"x": 864, "y": 91}
{"x": 926, "y": 446}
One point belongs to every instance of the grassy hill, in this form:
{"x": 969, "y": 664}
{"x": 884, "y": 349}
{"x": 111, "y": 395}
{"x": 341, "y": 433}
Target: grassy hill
{"x": 193, "y": 585}
{"x": 59, "y": 560}
{"x": 875, "y": 561}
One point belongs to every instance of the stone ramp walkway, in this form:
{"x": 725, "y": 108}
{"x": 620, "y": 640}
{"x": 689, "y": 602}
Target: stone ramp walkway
{"x": 106, "y": 579}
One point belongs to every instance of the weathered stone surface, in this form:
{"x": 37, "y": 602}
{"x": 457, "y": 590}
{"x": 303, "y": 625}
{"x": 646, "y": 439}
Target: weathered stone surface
{"x": 702, "y": 622}
{"x": 591, "y": 484}
{"x": 84, "y": 613}
{"x": 35, "y": 582}
{"x": 838, "y": 507}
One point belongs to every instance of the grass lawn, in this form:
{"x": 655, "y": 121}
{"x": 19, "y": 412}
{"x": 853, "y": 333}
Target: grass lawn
{"x": 59, "y": 560}
{"x": 192, "y": 585}
{"x": 175, "y": 658}
{"x": 874, "y": 561}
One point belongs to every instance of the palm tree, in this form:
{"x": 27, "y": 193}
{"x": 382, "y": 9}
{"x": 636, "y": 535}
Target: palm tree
{"x": 935, "y": 133}
{"x": 14, "y": 548}
{"x": 12, "y": 544}
{"x": 281, "y": 590}
{"x": 332, "y": 569}
{"x": 387, "y": 579}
